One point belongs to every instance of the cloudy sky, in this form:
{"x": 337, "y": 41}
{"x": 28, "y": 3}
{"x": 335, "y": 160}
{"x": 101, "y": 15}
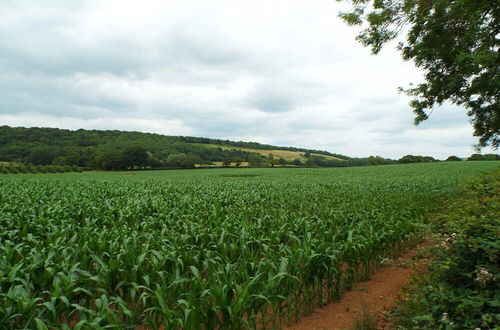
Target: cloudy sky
{"x": 281, "y": 72}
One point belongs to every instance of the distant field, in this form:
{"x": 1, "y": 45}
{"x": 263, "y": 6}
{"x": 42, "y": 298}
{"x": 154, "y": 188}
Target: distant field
{"x": 288, "y": 155}
{"x": 207, "y": 248}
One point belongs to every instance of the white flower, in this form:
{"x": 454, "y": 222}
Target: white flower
{"x": 484, "y": 276}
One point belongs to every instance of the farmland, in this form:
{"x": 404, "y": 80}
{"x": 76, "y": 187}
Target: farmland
{"x": 204, "y": 249}
{"x": 288, "y": 155}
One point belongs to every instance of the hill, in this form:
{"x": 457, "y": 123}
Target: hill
{"x": 107, "y": 148}
{"x": 286, "y": 154}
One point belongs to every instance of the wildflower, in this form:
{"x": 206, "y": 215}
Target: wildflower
{"x": 483, "y": 276}
{"x": 450, "y": 239}
{"x": 385, "y": 261}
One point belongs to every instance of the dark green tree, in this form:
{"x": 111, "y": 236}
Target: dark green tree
{"x": 310, "y": 162}
{"x": 111, "y": 160}
{"x": 237, "y": 161}
{"x": 455, "y": 42}
{"x": 453, "y": 159}
{"x": 376, "y": 160}
{"x": 42, "y": 156}
{"x": 491, "y": 157}
{"x": 135, "y": 156}
{"x": 415, "y": 159}
{"x": 476, "y": 157}
{"x": 257, "y": 160}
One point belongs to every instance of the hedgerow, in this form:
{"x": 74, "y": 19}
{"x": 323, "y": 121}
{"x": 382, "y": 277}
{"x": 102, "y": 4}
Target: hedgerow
{"x": 462, "y": 287}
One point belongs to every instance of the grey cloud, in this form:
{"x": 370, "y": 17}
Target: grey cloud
{"x": 213, "y": 70}
{"x": 270, "y": 101}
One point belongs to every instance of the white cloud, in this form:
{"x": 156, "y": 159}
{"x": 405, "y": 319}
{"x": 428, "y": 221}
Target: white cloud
{"x": 280, "y": 72}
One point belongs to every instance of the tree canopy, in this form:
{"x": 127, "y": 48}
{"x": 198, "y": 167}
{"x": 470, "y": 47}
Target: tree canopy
{"x": 456, "y": 44}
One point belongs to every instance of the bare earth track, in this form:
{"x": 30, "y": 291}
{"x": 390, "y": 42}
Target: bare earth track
{"x": 379, "y": 294}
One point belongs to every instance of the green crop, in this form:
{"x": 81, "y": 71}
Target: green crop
{"x": 204, "y": 249}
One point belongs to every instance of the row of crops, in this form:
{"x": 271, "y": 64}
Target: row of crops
{"x": 34, "y": 169}
{"x": 203, "y": 249}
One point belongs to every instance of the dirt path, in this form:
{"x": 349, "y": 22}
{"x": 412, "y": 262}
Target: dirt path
{"x": 378, "y": 294}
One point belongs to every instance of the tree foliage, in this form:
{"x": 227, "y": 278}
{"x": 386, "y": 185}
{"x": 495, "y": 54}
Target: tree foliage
{"x": 455, "y": 42}
{"x": 453, "y": 159}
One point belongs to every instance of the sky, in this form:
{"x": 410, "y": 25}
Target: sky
{"x": 286, "y": 73}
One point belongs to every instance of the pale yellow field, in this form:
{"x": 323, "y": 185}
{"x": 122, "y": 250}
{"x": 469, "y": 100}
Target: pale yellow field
{"x": 286, "y": 154}
{"x": 243, "y": 164}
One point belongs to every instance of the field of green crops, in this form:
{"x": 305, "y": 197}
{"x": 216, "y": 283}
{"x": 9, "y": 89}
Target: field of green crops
{"x": 204, "y": 249}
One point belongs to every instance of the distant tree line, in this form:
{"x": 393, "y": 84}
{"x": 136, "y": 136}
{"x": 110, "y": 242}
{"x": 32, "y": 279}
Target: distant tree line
{"x": 412, "y": 159}
{"x": 484, "y": 157}
{"x": 120, "y": 150}
{"x": 13, "y": 168}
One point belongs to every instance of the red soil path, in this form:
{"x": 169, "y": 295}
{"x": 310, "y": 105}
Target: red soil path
{"x": 376, "y": 295}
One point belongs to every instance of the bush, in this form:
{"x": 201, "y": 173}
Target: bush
{"x": 3, "y": 170}
{"x": 67, "y": 168}
{"x": 60, "y": 169}
{"x": 22, "y": 169}
{"x": 460, "y": 290}
{"x": 41, "y": 169}
{"x": 75, "y": 168}
{"x": 31, "y": 169}
{"x": 13, "y": 169}
{"x": 453, "y": 159}
{"x": 51, "y": 169}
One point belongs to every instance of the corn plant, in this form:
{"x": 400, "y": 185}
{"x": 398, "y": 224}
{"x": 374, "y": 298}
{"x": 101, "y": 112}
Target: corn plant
{"x": 203, "y": 249}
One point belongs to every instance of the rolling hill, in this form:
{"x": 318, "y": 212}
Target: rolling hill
{"x": 84, "y": 147}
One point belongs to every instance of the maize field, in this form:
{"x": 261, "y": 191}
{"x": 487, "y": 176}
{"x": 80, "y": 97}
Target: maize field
{"x": 204, "y": 249}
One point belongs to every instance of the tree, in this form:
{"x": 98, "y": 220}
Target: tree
{"x": 42, "y": 156}
{"x": 455, "y": 43}
{"x": 176, "y": 160}
{"x": 415, "y": 159}
{"x": 310, "y": 162}
{"x": 237, "y": 161}
{"x": 453, "y": 159}
{"x": 491, "y": 157}
{"x": 111, "y": 160}
{"x": 135, "y": 156}
{"x": 257, "y": 160}
{"x": 154, "y": 162}
{"x": 376, "y": 160}
{"x": 476, "y": 157}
